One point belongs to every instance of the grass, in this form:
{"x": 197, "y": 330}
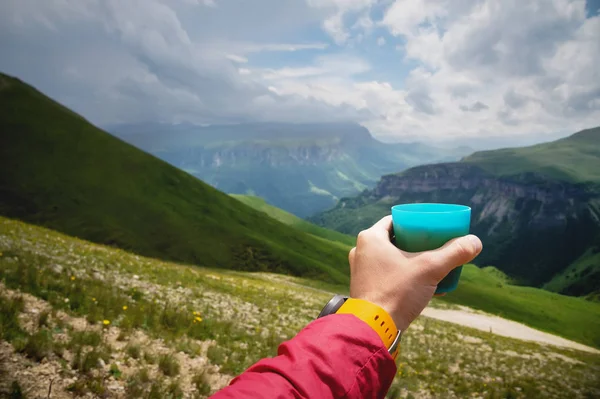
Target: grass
{"x": 104, "y": 190}
{"x": 575, "y": 159}
{"x": 200, "y": 382}
{"x": 10, "y": 308}
{"x": 168, "y": 364}
{"x": 292, "y": 220}
{"x": 570, "y": 317}
{"x": 244, "y": 318}
{"x": 583, "y": 275}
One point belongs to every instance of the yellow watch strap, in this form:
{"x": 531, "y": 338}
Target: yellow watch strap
{"x": 374, "y": 316}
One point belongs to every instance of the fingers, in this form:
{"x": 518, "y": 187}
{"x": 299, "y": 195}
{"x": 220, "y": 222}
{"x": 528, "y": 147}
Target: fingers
{"x": 455, "y": 253}
{"x": 380, "y": 230}
{"x": 383, "y": 226}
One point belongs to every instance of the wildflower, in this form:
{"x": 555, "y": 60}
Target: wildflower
{"x": 194, "y": 313}
{"x": 198, "y": 319}
{"x": 125, "y": 307}
{"x": 194, "y": 321}
{"x": 66, "y": 300}
{"x": 72, "y": 278}
{"x": 93, "y": 299}
{"x": 106, "y": 322}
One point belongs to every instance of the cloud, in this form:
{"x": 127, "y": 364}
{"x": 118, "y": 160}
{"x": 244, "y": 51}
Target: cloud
{"x": 461, "y": 68}
{"x": 256, "y": 48}
{"x": 475, "y": 107}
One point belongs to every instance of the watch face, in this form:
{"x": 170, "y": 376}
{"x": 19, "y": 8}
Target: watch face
{"x": 333, "y": 305}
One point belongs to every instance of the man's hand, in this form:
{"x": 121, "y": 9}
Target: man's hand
{"x": 402, "y": 283}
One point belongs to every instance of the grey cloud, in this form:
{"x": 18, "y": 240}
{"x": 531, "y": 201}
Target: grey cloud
{"x": 511, "y": 43}
{"x": 588, "y": 100}
{"x": 461, "y": 90}
{"x": 118, "y": 61}
{"x": 421, "y": 101}
{"x": 514, "y": 100}
{"x": 475, "y": 107}
{"x": 507, "y": 117}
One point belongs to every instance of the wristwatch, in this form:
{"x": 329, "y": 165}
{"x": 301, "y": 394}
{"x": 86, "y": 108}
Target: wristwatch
{"x": 373, "y": 315}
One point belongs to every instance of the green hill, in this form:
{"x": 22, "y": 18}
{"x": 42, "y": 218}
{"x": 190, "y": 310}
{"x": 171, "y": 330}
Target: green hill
{"x": 60, "y": 171}
{"x": 575, "y": 159}
{"x": 294, "y": 221}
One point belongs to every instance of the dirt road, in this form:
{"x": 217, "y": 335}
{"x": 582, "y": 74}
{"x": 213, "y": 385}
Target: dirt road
{"x": 497, "y": 325}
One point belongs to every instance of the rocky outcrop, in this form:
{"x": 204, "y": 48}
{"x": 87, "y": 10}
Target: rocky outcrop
{"x": 532, "y": 227}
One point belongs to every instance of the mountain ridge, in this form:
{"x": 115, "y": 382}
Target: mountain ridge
{"x": 301, "y": 168}
{"x": 61, "y": 172}
{"x": 535, "y": 221}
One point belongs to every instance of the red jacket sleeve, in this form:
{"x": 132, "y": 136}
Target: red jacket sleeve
{"x": 337, "y": 356}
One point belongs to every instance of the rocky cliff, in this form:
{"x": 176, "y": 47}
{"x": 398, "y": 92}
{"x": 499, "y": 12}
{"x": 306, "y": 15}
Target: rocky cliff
{"x": 532, "y": 227}
{"x": 301, "y": 168}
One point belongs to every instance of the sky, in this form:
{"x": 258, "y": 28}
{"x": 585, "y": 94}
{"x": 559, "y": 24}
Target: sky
{"x": 432, "y": 70}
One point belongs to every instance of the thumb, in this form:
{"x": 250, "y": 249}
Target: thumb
{"x": 439, "y": 262}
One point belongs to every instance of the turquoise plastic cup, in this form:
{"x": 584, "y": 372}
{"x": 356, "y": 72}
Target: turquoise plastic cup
{"x": 423, "y": 227}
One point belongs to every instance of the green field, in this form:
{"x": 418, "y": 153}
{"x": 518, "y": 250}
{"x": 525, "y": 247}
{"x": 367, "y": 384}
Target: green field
{"x": 103, "y": 322}
{"x": 58, "y": 170}
{"x": 294, "y": 221}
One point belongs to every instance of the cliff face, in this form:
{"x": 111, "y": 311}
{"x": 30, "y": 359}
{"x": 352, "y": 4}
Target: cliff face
{"x": 301, "y": 168}
{"x": 531, "y": 227}
{"x": 259, "y": 154}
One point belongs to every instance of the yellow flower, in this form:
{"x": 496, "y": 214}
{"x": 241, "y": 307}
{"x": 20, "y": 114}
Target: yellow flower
{"x": 194, "y": 313}
{"x": 198, "y": 319}
{"x": 72, "y": 278}
{"x": 125, "y": 307}
{"x": 106, "y": 322}
{"x": 194, "y": 321}
{"x": 94, "y": 299}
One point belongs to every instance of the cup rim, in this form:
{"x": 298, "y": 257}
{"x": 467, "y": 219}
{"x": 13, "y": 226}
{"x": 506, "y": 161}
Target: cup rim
{"x": 456, "y": 208}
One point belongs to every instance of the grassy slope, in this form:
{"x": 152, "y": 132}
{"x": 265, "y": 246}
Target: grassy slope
{"x": 294, "y": 221}
{"x": 489, "y": 289}
{"x": 59, "y": 171}
{"x": 585, "y": 271}
{"x": 574, "y": 159}
{"x": 569, "y": 317}
{"x": 244, "y": 317}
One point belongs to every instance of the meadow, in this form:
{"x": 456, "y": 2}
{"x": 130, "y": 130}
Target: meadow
{"x": 86, "y": 319}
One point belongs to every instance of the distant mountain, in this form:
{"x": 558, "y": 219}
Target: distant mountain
{"x": 301, "y": 168}
{"x": 537, "y": 208}
{"x": 59, "y": 171}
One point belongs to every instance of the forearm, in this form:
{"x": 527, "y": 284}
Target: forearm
{"x": 338, "y": 356}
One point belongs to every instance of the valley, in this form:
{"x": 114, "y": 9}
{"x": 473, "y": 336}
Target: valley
{"x": 301, "y": 168}
{"x": 537, "y": 210}
{"x": 123, "y": 276}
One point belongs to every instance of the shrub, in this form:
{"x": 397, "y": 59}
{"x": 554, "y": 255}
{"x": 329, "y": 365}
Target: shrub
{"x": 134, "y": 350}
{"x": 39, "y": 345}
{"x": 200, "y": 381}
{"x": 168, "y": 364}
